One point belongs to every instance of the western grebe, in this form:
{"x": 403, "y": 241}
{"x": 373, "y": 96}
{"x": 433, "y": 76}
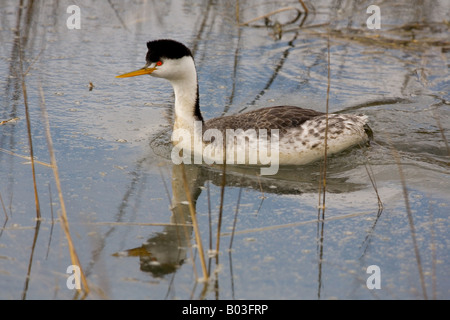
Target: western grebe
{"x": 299, "y": 133}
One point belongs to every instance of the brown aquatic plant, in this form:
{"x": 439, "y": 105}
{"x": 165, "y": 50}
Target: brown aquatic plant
{"x": 63, "y": 212}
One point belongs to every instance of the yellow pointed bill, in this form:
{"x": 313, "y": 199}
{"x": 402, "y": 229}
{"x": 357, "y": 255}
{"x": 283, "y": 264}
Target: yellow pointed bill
{"x": 135, "y": 73}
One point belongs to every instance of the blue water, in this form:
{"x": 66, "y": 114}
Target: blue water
{"x": 119, "y": 184}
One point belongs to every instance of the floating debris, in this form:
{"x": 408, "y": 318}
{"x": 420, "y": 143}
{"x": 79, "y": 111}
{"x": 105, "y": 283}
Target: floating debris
{"x": 13, "y": 120}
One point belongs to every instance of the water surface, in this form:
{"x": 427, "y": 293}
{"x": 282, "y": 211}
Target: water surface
{"x": 124, "y": 196}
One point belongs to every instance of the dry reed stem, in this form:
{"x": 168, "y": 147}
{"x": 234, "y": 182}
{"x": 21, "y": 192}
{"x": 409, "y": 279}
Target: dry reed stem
{"x": 323, "y": 187}
{"x": 410, "y": 218}
{"x": 222, "y": 193}
{"x": 165, "y": 186}
{"x": 30, "y": 260}
{"x": 25, "y": 157}
{"x": 53, "y": 220}
{"x": 27, "y": 117}
{"x": 304, "y": 7}
{"x": 371, "y": 176}
{"x": 4, "y": 208}
{"x": 237, "y": 12}
{"x": 63, "y": 213}
{"x": 235, "y": 216}
{"x": 183, "y": 223}
{"x": 433, "y": 256}
{"x": 209, "y": 214}
{"x": 194, "y": 223}
{"x": 186, "y": 235}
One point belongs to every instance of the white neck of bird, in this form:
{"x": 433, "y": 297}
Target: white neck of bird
{"x": 185, "y": 87}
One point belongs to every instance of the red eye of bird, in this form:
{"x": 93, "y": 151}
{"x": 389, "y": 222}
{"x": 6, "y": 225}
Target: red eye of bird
{"x": 159, "y": 63}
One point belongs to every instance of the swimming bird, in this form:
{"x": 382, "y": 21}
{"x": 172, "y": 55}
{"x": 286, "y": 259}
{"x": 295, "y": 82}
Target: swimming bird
{"x": 297, "y": 133}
